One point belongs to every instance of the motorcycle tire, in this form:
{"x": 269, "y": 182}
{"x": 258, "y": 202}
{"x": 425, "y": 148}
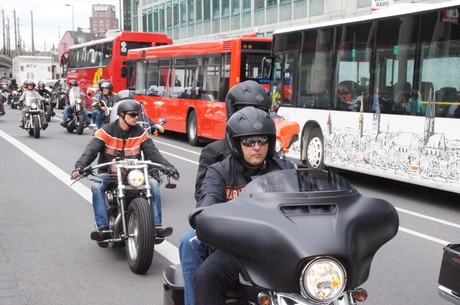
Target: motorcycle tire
{"x": 36, "y": 128}
{"x": 141, "y": 235}
{"x": 80, "y": 124}
{"x": 48, "y": 113}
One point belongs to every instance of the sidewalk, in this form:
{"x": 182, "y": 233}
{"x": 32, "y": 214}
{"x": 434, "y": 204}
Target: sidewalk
{"x": 10, "y": 293}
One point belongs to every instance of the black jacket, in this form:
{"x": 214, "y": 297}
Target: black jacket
{"x": 210, "y": 154}
{"x": 225, "y": 180}
{"x": 110, "y": 141}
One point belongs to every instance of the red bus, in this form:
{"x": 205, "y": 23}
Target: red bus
{"x": 187, "y": 83}
{"x": 92, "y": 61}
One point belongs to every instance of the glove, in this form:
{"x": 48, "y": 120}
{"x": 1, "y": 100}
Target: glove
{"x": 174, "y": 173}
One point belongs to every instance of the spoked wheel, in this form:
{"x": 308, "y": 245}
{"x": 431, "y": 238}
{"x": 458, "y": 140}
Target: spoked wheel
{"x": 141, "y": 235}
{"x": 192, "y": 130}
{"x": 36, "y": 128}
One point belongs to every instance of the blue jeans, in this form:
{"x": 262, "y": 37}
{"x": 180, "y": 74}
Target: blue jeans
{"x": 98, "y": 117}
{"x": 100, "y": 207}
{"x": 192, "y": 253}
{"x": 66, "y": 113}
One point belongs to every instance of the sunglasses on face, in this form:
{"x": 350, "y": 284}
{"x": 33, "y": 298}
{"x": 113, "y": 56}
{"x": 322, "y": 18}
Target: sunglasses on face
{"x": 250, "y": 142}
{"x": 133, "y": 114}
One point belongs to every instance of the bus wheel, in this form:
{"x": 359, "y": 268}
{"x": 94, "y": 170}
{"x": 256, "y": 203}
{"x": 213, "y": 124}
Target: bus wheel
{"x": 313, "y": 149}
{"x": 192, "y": 133}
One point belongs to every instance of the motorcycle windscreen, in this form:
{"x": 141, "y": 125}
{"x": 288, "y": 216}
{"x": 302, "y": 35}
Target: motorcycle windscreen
{"x": 30, "y": 100}
{"x": 74, "y": 93}
{"x": 283, "y": 219}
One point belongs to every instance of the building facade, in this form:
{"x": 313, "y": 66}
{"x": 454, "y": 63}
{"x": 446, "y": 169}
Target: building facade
{"x": 103, "y": 18}
{"x": 191, "y": 20}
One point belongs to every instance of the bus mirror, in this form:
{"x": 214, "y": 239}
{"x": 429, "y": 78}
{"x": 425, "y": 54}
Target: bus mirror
{"x": 124, "y": 71}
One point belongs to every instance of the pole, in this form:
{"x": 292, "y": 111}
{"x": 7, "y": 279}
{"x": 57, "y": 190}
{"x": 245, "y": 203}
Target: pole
{"x": 15, "y": 33}
{"x": 32, "y": 29}
{"x": 4, "y": 34}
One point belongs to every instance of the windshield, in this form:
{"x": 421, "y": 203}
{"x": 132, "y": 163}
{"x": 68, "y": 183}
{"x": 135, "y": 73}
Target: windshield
{"x": 298, "y": 180}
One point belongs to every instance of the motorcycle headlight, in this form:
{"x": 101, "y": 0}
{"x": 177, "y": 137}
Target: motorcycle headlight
{"x": 136, "y": 178}
{"x": 34, "y": 106}
{"x": 323, "y": 280}
{"x": 78, "y": 101}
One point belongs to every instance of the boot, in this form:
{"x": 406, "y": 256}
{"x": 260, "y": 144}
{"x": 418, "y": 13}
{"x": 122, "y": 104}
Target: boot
{"x": 21, "y": 124}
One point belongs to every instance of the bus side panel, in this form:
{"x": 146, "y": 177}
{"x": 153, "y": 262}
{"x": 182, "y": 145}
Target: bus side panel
{"x": 211, "y": 119}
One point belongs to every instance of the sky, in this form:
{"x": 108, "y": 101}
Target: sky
{"x": 51, "y": 19}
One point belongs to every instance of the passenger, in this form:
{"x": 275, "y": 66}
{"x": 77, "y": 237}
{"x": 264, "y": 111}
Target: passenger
{"x": 414, "y": 105}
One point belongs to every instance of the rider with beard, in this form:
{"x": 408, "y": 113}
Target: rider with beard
{"x": 251, "y": 139}
{"x": 247, "y": 93}
{"x": 105, "y": 98}
{"x": 119, "y": 139}
{"x": 30, "y": 92}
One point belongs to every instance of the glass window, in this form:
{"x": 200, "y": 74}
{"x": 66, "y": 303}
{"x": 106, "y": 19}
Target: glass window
{"x": 246, "y": 5}
{"x": 395, "y": 55}
{"x": 259, "y": 4}
{"x": 271, "y": 3}
{"x": 353, "y": 67}
{"x": 206, "y": 10}
{"x": 439, "y": 83}
{"x": 162, "y": 20}
{"x": 191, "y": 11}
{"x": 225, "y": 8}
{"x": 215, "y": 9}
{"x": 199, "y": 8}
{"x": 235, "y": 7}
{"x": 211, "y": 77}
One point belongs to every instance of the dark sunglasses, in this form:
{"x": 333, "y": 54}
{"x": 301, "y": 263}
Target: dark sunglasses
{"x": 250, "y": 142}
{"x": 133, "y": 114}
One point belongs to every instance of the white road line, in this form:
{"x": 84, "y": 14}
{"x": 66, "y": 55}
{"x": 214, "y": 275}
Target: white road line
{"x": 166, "y": 249}
{"x": 444, "y": 222}
{"x": 176, "y": 147}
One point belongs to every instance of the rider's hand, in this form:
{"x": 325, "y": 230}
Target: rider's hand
{"x": 74, "y": 175}
{"x": 159, "y": 128}
{"x": 175, "y": 174}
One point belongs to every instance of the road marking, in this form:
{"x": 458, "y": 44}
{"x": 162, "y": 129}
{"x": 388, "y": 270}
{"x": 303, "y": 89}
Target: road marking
{"x": 444, "y": 222}
{"x": 165, "y": 249}
{"x": 176, "y": 147}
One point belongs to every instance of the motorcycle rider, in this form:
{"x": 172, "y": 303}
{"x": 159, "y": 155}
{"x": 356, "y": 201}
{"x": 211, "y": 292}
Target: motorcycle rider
{"x": 73, "y": 87}
{"x": 41, "y": 89}
{"x": 251, "y": 139}
{"x": 3, "y": 98}
{"x": 106, "y": 98}
{"x": 118, "y": 139}
{"x": 13, "y": 84}
{"x": 30, "y": 92}
{"x": 247, "y": 93}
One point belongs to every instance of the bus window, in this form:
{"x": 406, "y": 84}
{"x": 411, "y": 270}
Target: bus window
{"x": 353, "y": 66}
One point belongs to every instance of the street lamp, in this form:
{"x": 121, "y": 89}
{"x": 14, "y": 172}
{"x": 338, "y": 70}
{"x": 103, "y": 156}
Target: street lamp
{"x": 73, "y": 24}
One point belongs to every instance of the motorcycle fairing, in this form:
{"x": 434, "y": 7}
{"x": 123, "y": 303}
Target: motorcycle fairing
{"x": 311, "y": 213}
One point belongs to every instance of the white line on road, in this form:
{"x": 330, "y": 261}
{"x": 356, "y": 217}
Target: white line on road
{"x": 166, "y": 249}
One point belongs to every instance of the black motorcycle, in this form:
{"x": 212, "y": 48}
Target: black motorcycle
{"x": 49, "y": 111}
{"x": 76, "y": 116}
{"x": 130, "y": 208}
{"x": 33, "y": 120}
{"x": 301, "y": 236}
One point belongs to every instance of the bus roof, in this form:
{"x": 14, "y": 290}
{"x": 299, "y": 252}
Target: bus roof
{"x": 195, "y": 48}
{"x": 133, "y": 36}
{"x": 392, "y": 11}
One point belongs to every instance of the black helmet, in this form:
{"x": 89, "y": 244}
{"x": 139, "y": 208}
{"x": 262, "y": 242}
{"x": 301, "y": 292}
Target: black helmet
{"x": 125, "y": 94}
{"x": 247, "y": 93}
{"x": 41, "y": 84}
{"x": 73, "y": 83}
{"x": 106, "y": 85}
{"x": 128, "y": 105}
{"x": 250, "y": 121}
{"x": 101, "y": 82}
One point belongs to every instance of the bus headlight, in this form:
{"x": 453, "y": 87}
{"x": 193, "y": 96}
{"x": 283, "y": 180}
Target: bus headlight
{"x": 323, "y": 280}
{"x": 136, "y": 178}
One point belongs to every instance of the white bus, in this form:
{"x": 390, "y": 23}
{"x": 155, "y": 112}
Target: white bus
{"x": 378, "y": 94}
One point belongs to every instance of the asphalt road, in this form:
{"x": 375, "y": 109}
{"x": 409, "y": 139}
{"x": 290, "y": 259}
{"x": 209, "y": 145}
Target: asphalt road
{"x": 45, "y": 225}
